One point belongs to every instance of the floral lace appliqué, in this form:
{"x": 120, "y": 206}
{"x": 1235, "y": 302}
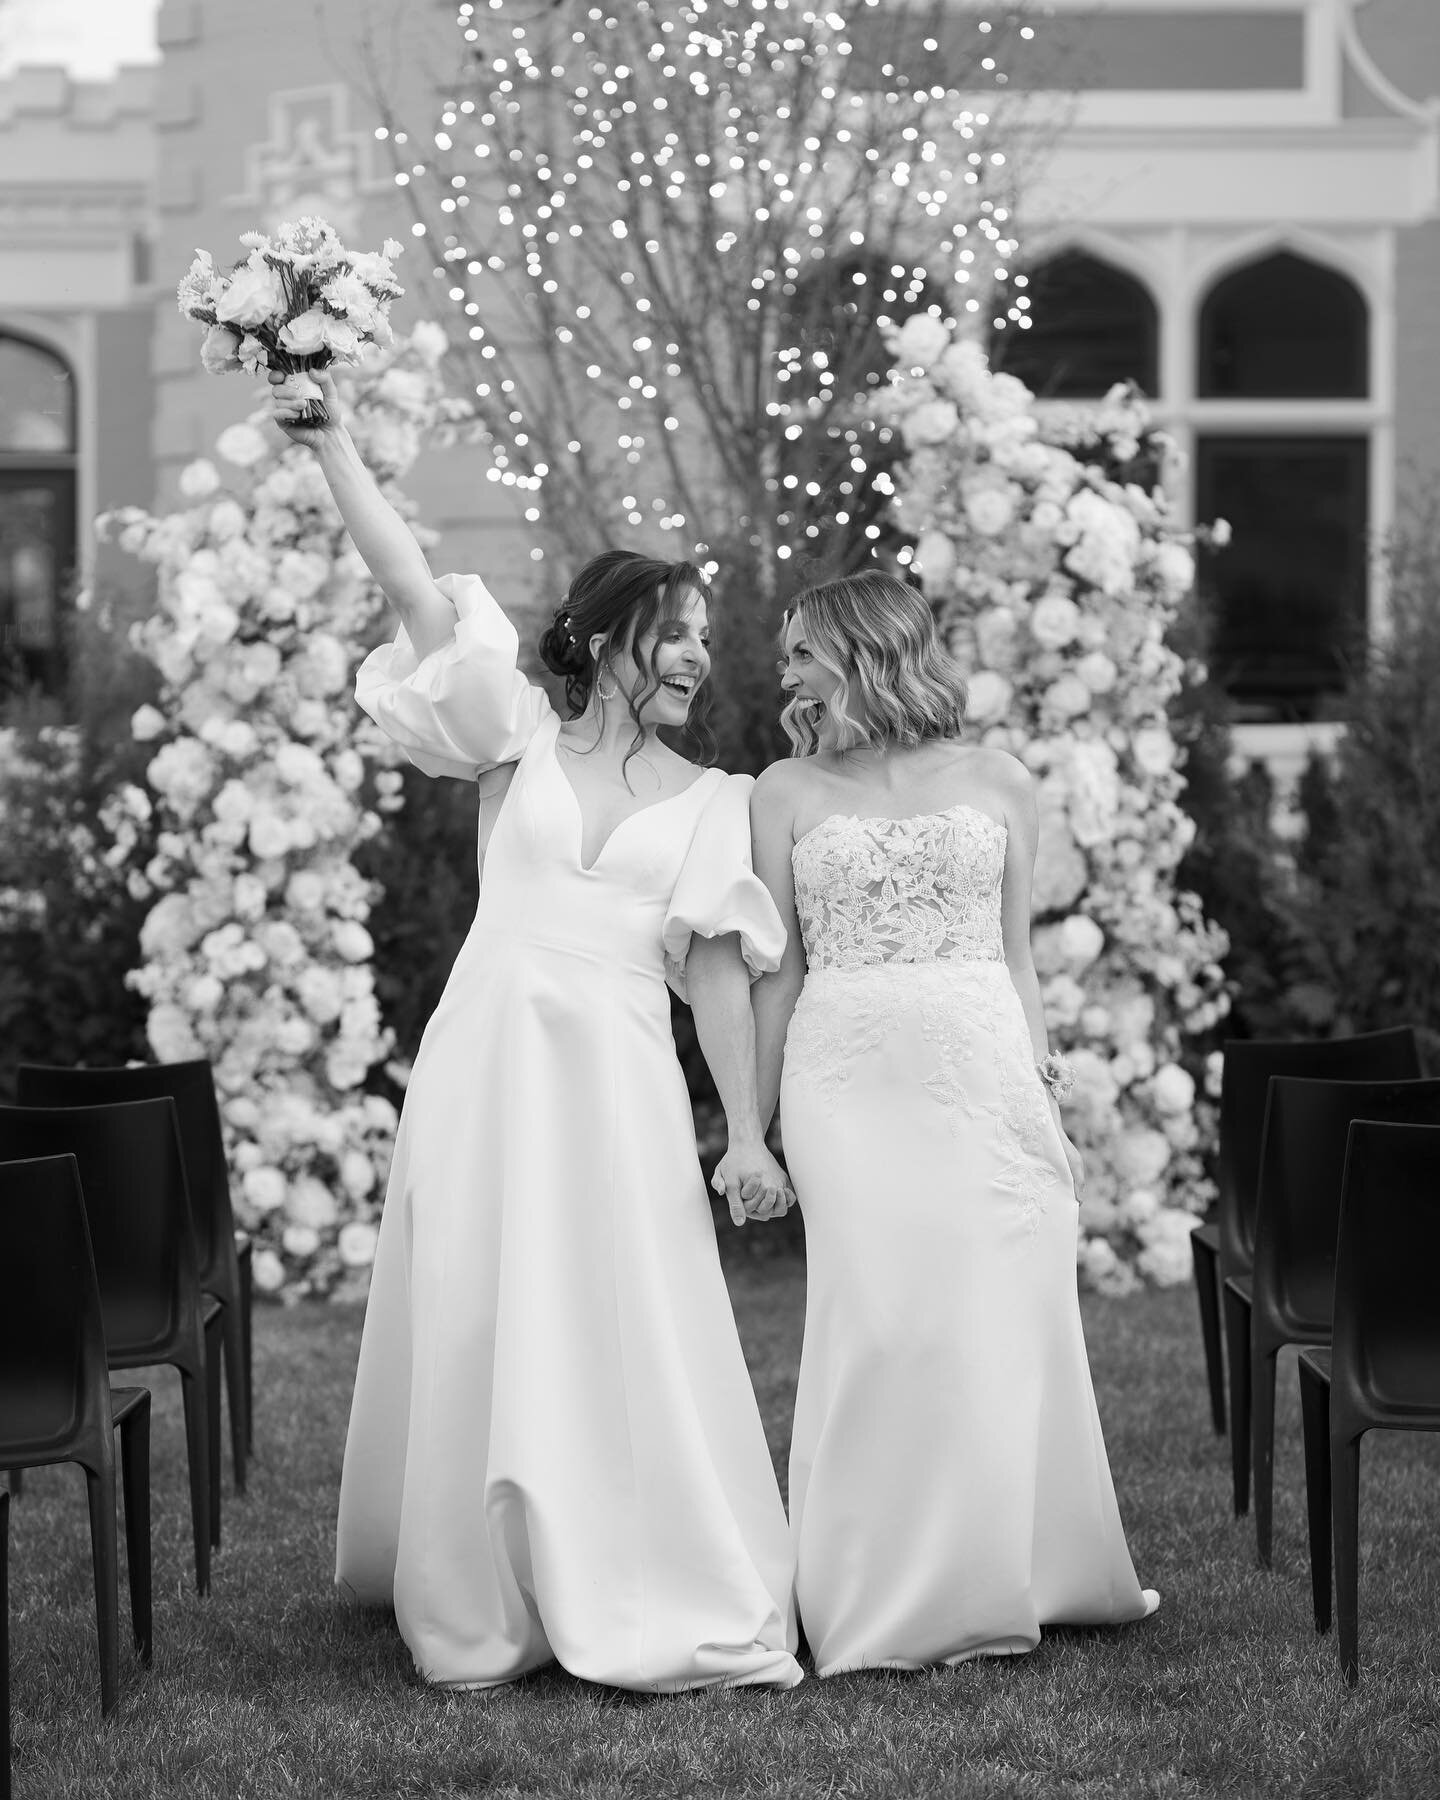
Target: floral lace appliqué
{"x": 901, "y": 923}
{"x": 900, "y": 890}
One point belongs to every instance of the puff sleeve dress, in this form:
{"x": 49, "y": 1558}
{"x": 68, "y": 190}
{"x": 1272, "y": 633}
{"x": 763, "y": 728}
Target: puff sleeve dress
{"x": 554, "y": 1449}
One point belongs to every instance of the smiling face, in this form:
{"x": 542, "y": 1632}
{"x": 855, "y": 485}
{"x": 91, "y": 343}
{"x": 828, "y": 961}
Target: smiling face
{"x": 678, "y": 650}
{"x": 810, "y": 685}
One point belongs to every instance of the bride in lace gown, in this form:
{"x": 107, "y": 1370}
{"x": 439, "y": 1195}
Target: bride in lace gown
{"x": 949, "y": 1489}
{"x": 554, "y": 1449}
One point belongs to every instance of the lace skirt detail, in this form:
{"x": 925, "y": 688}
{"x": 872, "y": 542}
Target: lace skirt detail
{"x": 865, "y": 1043}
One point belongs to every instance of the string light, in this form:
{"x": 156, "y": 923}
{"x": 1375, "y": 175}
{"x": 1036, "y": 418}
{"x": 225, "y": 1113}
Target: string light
{"x": 678, "y": 254}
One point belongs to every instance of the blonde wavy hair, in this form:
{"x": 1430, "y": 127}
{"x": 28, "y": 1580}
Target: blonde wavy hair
{"x": 898, "y": 684}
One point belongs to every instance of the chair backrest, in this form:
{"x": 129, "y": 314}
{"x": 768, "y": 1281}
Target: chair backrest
{"x": 1386, "y": 1342}
{"x": 1392, "y": 1055}
{"x": 53, "y": 1381}
{"x": 191, "y": 1085}
{"x": 1302, "y": 1167}
{"x": 134, "y": 1186}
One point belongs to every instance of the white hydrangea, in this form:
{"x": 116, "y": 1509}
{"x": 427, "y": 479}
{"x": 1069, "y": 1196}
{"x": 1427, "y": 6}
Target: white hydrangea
{"x": 256, "y": 952}
{"x": 1057, "y": 601}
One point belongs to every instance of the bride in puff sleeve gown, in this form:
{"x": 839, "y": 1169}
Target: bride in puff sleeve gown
{"x": 949, "y": 1488}
{"x": 554, "y": 1449}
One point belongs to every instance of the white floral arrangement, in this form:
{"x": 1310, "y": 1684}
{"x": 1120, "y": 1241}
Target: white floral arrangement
{"x": 264, "y": 781}
{"x": 299, "y": 301}
{"x": 1056, "y": 574}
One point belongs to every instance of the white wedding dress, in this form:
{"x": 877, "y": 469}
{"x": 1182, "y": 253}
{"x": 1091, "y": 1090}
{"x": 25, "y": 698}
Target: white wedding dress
{"x": 949, "y": 1490}
{"x": 554, "y": 1448}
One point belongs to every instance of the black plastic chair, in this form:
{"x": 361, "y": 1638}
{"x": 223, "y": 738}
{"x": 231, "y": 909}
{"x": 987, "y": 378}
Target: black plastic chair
{"x": 1291, "y": 1290}
{"x": 1383, "y": 1367}
{"x": 56, "y": 1402}
{"x": 134, "y": 1186}
{"x": 4, "y": 1646}
{"x": 1392, "y": 1055}
{"x": 224, "y": 1254}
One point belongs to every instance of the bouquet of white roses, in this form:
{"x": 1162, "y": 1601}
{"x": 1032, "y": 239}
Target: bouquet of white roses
{"x": 299, "y": 301}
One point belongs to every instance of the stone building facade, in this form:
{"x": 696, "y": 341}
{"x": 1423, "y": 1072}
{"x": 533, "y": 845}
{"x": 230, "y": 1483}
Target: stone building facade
{"x": 1239, "y": 206}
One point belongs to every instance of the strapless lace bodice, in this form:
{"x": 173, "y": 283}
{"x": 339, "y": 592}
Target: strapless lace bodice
{"x": 923, "y": 889}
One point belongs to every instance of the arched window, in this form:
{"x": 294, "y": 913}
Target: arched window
{"x": 1093, "y": 325}
{"x": 37, "y": 510}
{"x": 1284, "y": 328}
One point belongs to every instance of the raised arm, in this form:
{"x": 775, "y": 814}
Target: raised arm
{"x": 379, "y": 533}
{"x": 1022, "y": 824}
{"x": 773, "y": 997}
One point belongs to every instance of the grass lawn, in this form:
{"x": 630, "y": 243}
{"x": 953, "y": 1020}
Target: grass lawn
{"x": 270, "y": 1688}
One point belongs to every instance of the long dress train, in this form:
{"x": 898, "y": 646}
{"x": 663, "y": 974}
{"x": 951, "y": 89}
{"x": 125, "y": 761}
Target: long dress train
{"x": 949, "y": 1489}
{"x": 554, "y": 1448}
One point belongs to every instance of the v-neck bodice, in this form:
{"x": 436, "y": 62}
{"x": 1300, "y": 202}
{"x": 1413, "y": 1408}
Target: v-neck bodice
{"x": 629, "y": 818}
{"x": 673, "y": 867}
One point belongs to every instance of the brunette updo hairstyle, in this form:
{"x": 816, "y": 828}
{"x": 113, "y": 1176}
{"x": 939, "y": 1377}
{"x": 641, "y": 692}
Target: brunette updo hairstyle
{"x": 619, "y": 595}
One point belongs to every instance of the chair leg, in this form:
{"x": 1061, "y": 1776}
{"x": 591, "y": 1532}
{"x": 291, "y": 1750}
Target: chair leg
{"x": 197, "y": 1450}
{"x": 135, "y": 1475}
{"x": 1315, "y": 1414}
{"x": 1237, "y": 1350}
{"x": 244, "y": 1256}
{"x": 1207, "y": 1292}
{"x": 214, "y": 1353}
{"x": 1262, "y": 1449}
{"x": 232, "y": 1325}
{"x": 1345, "y": 1500}
{"x": 105, "y": 1555}
{"x": 15, "y": 1479}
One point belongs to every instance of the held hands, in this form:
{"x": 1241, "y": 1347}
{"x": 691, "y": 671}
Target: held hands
{"x": 753, "y": 1183}
{"x": 288, "y": 402}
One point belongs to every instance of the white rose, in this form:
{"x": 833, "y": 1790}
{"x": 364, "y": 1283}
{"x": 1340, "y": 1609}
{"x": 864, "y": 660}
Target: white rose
{"x": 995, "y": 635}
{"x": 1167, "y": 1259}
{"x": 1061, "y": 872}
{"x": 294, "y": 1036}
{"x": 248, "y": 896}
{"x": 932, "y": 422}
{"x": 1174, "y": 567}
{"x": 199, "y": 478}
{"x": 346, "y": 1067}
{"x": 1172, "y": 1089}
{"x": 1154, "y": 749}
{"x": 242, "y": 445}
{"x": 989, "y": 697}
{"x": 253, "y": 296}
{"x": 305, "y": 891}
{"x": 1097, "y": 672}
{"x": 203, "y": 993}
{"x": 269, "y": 835}
{"x": 305, "y": 335}
{"x": 227, "y": 520}
{"x": 356, "y": 1244}
{"x": 920, "y": 341}
{"x": 302, "y": 573}
{"x": 264, "y": 1189}
{"x": 352, "y": 941}
{"x": 300, "y": 1241}
{"x": 357, "y": 1174}
{"x": 1140, "y": 1156}
{"x": 347, "y": 768}
{"x": 320, "y": 994}
{"x": 934, "y": 556}
{"x": 219, "y": 350}
{"x": 1081, "y": 941}
{"x": 311, "y": 1203}
{"x": 1068, "y": 697}
{"x": 989, "y": 510}
{"x": 268, "y": 1271}
{"x": 170, "y": 1034}
{"x": 146, "y": 722}
{"x": 1054, "y": 621}
{"x": 428, "y": 341}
